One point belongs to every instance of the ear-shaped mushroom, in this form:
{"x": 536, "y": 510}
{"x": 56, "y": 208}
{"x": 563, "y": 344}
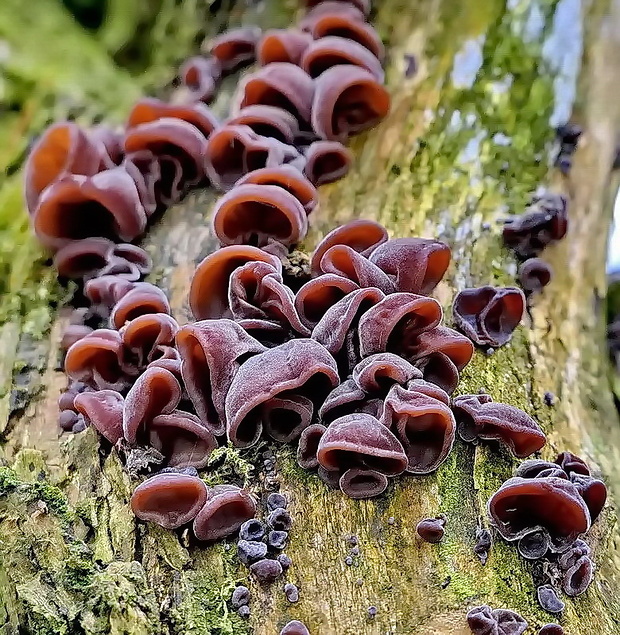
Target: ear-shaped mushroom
{"x": 329, "y": 51}
{"x": 169, "y": 499}
{"x": 534, "y": 275}
{"x": 360, "y": 440}
{"x": 309, "y": 445}
{"x": 149, "y": 337}
{"x": 201, "y": 75}
{"x": 289, "y": 179}
{"x": 254, "y": 214}
{"x": 488, "y": 315}
{"x": 156, "y": 391}
{"x": 431, "y": 529}
{"x": 346, "y": 398}
{"x": 424, "y": 426}
{"x": 143, "y": 298}
{"x": 212, "y": 352}
{"x": 106, "y": 291}
{"x": 299, "y": 367}
{"x": 319, "y": 294}
{"x": 103, "y": 409}
{"x": 285, "y": 418}
{"x": 479, "y": 417}
{"x": 236, "y": 47}
{"x": 364, "y": 236}
{"x": 533, "y": 468}
{"x": 127, "y": 261}
{"x": 445, "y": 341}
{"x": 379, "y": 372}
{"x": 267, "y": 121}
{"x": 96, "y": 360}
{"x": 295, "y": 627}
{"x": 82, "y": 257}
{"x": 182, "y": 439}
{"x": 482, "y": 620}
{"x": 279, "y": 84}
{"x": 551, "y": 629}
{"x": 64, "y": 148}
{"x": 522, "y": 505}
{"x": 74, "y": 207}
{"x": 572, "y": 464}
{"x": 208, "y": 294}
{"x": 150, "y": 109}
{"x": 593, "y": 491}
{"x": 396, "y": 321}
{"x": 416, "y": 265}
{"x": 327, "y": 161}
{"x": 578, "y": 577}
{"x": 282, "y": 45}
{"x": 362, "y": 483}
{"x": 223, "y": 513}
{"x": 347, "y": 100}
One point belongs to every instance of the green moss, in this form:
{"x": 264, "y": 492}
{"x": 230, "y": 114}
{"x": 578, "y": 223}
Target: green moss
{"x": 8, "y": 481}
{"x": 77, "y": 574}
{"x": 54, "y": 499}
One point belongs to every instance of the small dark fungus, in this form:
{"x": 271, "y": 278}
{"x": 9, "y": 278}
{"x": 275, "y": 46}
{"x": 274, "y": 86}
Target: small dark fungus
{"x": 170, "y": 499}
{"x": 266, "y": 571}
{"x": 533, "y": 545}
{"x": 593, "y": 491}
{"x": 479, "y": 417}
{"x": 280, "y": 519}
{"x": 488, "y": 315}
{"x": 300, "y": 367}
{"x": 235, "y": 47}
{"x": 156, "y": 392}
{"x": 363, "y": 483}
{"x": 212, "y": 352}
{"x": 347, "y": 100}
{"x": 208, "y": 294}
{"x": 440, "y": 370}
{"x": 84, "y": 257}
{"x": 572, "y": 464}
{"x": 250, "y": 551}
{"x": 104, "y": 205}
{"x": 291, "y": 592}
{"x": 551, "y": 629}
{"x": 331, "y": 50}
{"x": 534, "y": 275}
{"x": 377, "y": 373}
{"x": 282, "y": 45}
{"x": 483, "y": 545}
{"x": 267, "y": 121}
{"x": 331, "y": 479}
{"x": 223, "y": 513}
{"x": 483, "y": 620}
{"x": 201, "y": 75}
{"x": 278, "y": 84}
{"x": 570, "y": 557}
{"x": 143, "y": 298}
{"x": 252, "y": 530}
{"x": 103, "y": 409}
{"x": 533, "y": 468}
{"x": 275, "y": 500}
{"x": 360, "y": 440}
{"x": 240, "y": 597}
{"x": 67, "y": 420}
{"x": 284, "y": 561}
{"x": 578, "y": 578}
{"x": 295, "y": 627}
{"x": 308, "y": 446}
{"x": 548, "y": 599}
{"x": 244, "y": 612}
{"x": 327, "y": 161}
{"x": 254, "y": 214}
{"x": 522, "y": 505}
{"x": 431, "y": 529}
{"x": 277, "y": 539}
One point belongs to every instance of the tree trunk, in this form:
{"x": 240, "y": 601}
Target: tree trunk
{"x": 469, "y": 137}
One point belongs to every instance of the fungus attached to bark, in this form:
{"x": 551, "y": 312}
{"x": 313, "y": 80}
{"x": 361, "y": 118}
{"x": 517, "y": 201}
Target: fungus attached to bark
{"x": 483, "y": 620}
{"x": 483, "y": 545}
{"x": 235, "y": 47}
{"x": 488, "y": 315}
{"x": 169, "y": 499}
{"x": 548, "y": 599}
{"x": 431, "y": 529}
{"x": 226, "y": 509}
{"x": 572, "y": 464}
{"x": 578, "y": 577}
{"x": 319, "y": 6}
{"x": 267, "y": 121}
{"x": 142, "y": 299}
{"x": 363, "y": 483}
{"x": 551, "y": 629}
{"x": 347, "y": 100}
{"x": 593, "y": 491}
{"x": 201, "y": 75}
{"x": 309, "y": 445}
{"x": 282, "y": 45}
{"x": 327, "y": 161}
{"x": 295, "y": 627}
{"x": 533, "y": 545}
{"x": 266, "y": 571}
{"x": 534, "y": 275}
{"x": 103, "y": 409}
{"x": 150, "y": 337}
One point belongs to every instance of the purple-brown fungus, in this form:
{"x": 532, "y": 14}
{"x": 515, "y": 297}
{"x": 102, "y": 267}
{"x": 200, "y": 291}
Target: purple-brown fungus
{"x": 226, "y": 509}
{"x": 431, "y": 529}
{"x": 534, "y": 275}
{"x": 295, "y": 627}
{"x": 548, "y": 599}
{"x": 483, "y": 620}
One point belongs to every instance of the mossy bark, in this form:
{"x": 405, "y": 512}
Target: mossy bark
{"x": 469, "y": 137}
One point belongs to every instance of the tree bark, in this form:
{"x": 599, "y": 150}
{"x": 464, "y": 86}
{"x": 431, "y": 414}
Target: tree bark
{"x": 469, "y": 137}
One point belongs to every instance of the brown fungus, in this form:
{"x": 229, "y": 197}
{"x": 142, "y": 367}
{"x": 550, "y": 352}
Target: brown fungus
{"x": 267, "y": 121}
{"x": 235, "y": 47}
{"x": 331, "y": 50}
{"x": 577, "y": 578}
{"x": 488, "y": 315}
{"x": 105, "y": 291}
{"x": 226, "y": 509}
{"x": 534, "y": 275}
{"x": 443, "y": 341}
{"x": 282, "y": 45}
{"x": 319, "y": 294}
{"x": 169, "y": 499}
{"x": 327, "y": 161}
{"x": 363, "y": 483}
{"x": 149, "y": 337}
{"x": 551, "y": 629}
{"x": 483, "y": 620}
{"x": 201, "y": 75}
{"x": 479, "y": 417}
{"x": 255, "y": 214}
{"x": 552, "y": 505}
{"x": 103, "y": 409}
{"x": 347, "y": 100}
{"x": 294, "y": 627}
{"x": 309, "y": 445}
{"x": 141, "y": 299}
{"x": 212, "y": 352}
{"x": 572, "y": 464}
{"x": 593, "y": 491}
{"x": 298, "y": 368}
{"x": 431, "y": 529}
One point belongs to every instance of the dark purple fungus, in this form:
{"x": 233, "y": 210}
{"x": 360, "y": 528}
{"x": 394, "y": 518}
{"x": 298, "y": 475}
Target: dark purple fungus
{"x": 103, "y": 409}
{"x": 170, "y": 499}
{"x": 284, "y": 561}
{"x": 266, "y": 571}
{"x": 150, "y": 337}
{"x": 327, "y": 161}
{"x": 593, "y": 491}
{"x": 359, "y": 440}
{"x": 223, "y": 513}
{"x": 277, "y": 539}
{"x": 291, "y": 592}
{"x": 240, "y": 597}
{"x": 235, "y": 48}
{"x": 143, "y": 298}
{"x": 347, "y": 100}
{"x": 275, "y": 500}
{"x": 551, "y": 629}
{"x": 280, "y": 519}
{"x": 488, "y": 315}
{"x": 363, "y": 483}
{"x": 201, "y": 75}
{"x": 572, "y": 464}
{"x": 244, "y": 612}
{"x": 252, "y": 529}
{"x": 282, "y": 45}
{"x": 483, "y": 620}
{"x": 534, "y": 275}
{"x": 309, "y": 445}
{"x": 552, "y": 505}
{"x": 250, "y": 551}
{"x": 295, "y": 627}
{"x": 268, "y": 121}
{"x": 533, "y": 545}
{"x": 538, "y": 467}
{"x": 298, "y": 368}
{"x": 548, "y": 599}
{"x": 478, "y": 417}
{"x": 431, "y": 529}
{"x": 578, "y": 577}
{"x": 483, "y": 545}
{"x": 570, "y": 557}
{"x": 212, "y": 352}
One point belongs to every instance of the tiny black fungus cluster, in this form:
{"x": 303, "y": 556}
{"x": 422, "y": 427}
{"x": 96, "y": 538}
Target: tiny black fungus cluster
{"x": 568, "y": 137}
